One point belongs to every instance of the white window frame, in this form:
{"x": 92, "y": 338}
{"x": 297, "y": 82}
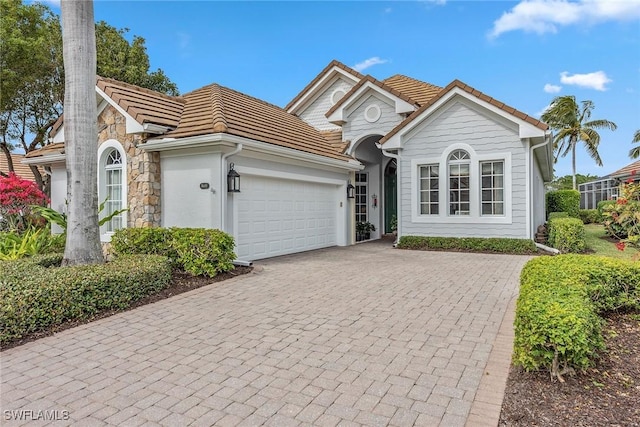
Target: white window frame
{"x": 493, "y": 201}
{"x": 458, "y": 162}
{"x": 428, "y": 190}
{"x": 103, "y": 153}
{"x": 474, "y": 216}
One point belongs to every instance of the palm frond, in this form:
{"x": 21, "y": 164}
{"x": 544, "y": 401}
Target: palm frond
{"x": 601, "y": 124}
{"x": 634, "y": 153}
{"x": 636, "y": 136}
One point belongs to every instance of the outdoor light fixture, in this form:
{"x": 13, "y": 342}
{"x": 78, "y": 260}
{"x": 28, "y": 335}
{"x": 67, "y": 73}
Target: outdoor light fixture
{"x": 350, "y": 190}
{"x": 233, "y": 180}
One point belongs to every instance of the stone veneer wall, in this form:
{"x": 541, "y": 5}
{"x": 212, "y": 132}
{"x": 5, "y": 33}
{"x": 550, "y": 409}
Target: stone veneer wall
{"x": 143, "y": 170}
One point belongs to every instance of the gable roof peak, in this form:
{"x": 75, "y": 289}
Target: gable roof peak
{"x": 334, "y": 63}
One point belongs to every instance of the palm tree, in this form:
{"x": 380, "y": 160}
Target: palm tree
{"x": 572, "y": 124}
{"x": 634, "y": 153}
{"x": 81, "y": 133}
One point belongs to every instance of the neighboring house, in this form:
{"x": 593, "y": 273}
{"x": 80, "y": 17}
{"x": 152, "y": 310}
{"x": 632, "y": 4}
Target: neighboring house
{"x": 607, "y": 187}
{"x": 20, "y": 169}
{"x": 445, "y": 161}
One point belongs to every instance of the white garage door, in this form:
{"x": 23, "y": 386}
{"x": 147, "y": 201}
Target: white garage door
{"x": 280, "y": 216}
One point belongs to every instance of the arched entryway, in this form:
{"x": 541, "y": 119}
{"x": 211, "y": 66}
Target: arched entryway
{"x": 375, "y": 190}
{"x": 390, "y": 196}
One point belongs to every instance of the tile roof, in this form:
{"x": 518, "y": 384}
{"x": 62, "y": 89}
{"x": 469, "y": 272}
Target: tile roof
{"x": 217, "y": 109}
{"x": 321, "y": 74}
{"x": 458, "y": 84}
{"x": 627, "y": 170}
{"x": 20, "y": 169}
{"x": 47, "y": 150}
{"x": 334, "y": 137}
{"x": 420, "y": 92}
{"x": 144, "y": 105}
{"x": 361, "y": 83}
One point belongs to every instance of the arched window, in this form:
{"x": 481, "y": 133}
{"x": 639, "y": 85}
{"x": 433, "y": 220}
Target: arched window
{"x": 458, "y": 165}
{"x": 112, "y": 186}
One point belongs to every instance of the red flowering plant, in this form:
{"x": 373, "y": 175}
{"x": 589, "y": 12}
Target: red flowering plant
{"x": 622, "y": 219}
{"x": 16, "y": 197}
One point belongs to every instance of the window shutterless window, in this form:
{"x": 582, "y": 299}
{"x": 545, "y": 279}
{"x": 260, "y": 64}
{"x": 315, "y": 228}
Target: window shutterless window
{"x": 113, "y": 189}
{"x": 459, "y": 185}
{"x": 428, "y": 188}
{"x": 492, "y": 187}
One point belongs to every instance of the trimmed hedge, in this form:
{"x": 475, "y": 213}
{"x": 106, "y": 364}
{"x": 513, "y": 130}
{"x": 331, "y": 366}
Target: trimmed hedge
{"x": 564, "y": 201}
{"x": 554, "y": 215}
{"x": 557, "y": 325}
{"x": 567, "y": 235}
{"x": 471, "y": 244}
{"x": 36, "y": 293}
{"x": 590, "y": 216}
{"x": 198, "y": 251}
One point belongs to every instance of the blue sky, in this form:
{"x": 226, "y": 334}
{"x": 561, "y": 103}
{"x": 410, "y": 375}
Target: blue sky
{"x": 521, "y": 53}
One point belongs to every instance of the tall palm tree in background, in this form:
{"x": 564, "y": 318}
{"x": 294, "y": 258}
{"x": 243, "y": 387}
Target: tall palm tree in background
{"x": 634, "y": 153}
{"x": 572, "y": 124}
{"x": 81, "y": 133}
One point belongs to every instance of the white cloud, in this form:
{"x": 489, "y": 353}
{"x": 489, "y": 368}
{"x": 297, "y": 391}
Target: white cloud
{"x": 549, "y": 88}
{"x": 596, "y": 80}
{"x": 388, "y": 10}
{"x": 361, "y": 66}
{"x": 545, "y": 16}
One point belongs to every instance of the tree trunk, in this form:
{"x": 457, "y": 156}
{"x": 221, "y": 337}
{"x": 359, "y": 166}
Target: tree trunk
{"x": 7, "y": 153}
{"x": 573, "y": 162}
{"x": 81, "y": 132}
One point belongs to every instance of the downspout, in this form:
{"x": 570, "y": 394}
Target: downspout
{"x": 398, "y": 195}
{"x": 223, "y": 176}
{"x": 531, "y": 159}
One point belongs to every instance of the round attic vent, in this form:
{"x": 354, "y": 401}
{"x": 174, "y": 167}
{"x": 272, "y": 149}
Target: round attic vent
{"x": 372, "y": 113}
{"x": 336, "y": 96}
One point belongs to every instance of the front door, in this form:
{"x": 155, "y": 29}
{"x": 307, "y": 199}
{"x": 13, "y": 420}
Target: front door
{"x": 390, "y": 195}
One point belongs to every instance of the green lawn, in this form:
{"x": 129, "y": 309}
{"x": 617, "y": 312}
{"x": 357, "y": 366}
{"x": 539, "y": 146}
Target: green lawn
{"x": 595, "y": 242}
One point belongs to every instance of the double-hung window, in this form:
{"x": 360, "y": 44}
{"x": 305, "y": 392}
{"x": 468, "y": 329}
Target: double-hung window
{"x": 492, "y": 181}
{"x": 429, "y": 176}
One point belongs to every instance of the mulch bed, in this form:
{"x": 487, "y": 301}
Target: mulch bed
{"x": 606, "y": 395}
{"x": 180, "y": 282}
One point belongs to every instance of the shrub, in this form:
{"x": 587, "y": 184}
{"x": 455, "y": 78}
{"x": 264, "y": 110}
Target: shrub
{"x": 35, "y": 293}
{"x": 557, "y": 325}
{"x": 590, "y": 216}
{"x": 16, "y": 197}
{"x": 622, "y": 219}
{"x": 602, "y": 204}
{"x": 567, "y": 235}
{"x": 564, "y": 201}
{"x": 196, "y": 250}
{"x": 477, "y": 244}
{"x": 31, "y": 242}
{"x": 554, "y": 215}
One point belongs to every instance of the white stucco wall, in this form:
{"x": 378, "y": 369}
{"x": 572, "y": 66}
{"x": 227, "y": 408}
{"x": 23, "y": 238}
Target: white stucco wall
{"x": 184, "y": 203}
{"x": 357, "y": 127}
{"x": 314, "y": 113}
{"x": 490, "y": 138}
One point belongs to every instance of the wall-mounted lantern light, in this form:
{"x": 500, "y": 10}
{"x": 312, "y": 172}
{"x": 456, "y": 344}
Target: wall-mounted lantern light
{"x": 233, "y": 180}
{"x": 350, "y": 191}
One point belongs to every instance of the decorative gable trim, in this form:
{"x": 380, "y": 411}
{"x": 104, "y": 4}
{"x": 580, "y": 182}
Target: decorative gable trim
{"x": 528, "y": 127}
{"x": 337, "y": 114}
{"x": 326, "y": 77}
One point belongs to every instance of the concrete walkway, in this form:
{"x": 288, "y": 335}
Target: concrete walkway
{"x": 365, "y": 335}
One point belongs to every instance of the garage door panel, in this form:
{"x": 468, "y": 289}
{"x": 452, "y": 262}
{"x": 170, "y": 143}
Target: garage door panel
{"x": 277, "y": 216}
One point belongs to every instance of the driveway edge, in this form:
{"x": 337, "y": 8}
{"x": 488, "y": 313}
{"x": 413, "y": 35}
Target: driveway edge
{"x": 487, "y": 403}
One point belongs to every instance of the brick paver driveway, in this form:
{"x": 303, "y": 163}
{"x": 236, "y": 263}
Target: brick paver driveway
{"x": 365, "y": 335}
